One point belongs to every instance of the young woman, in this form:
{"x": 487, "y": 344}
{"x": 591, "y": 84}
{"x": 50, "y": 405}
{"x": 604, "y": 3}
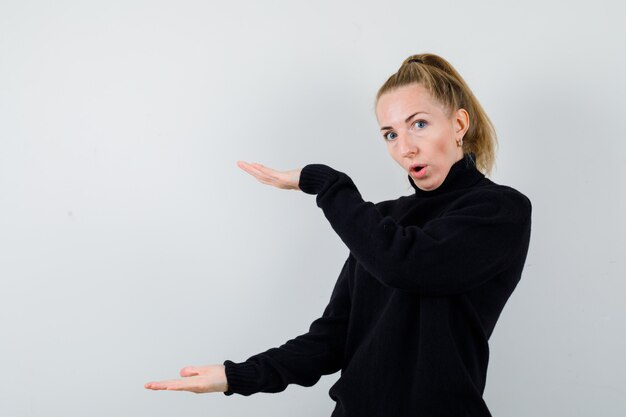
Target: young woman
{"x": 427, "y": 275}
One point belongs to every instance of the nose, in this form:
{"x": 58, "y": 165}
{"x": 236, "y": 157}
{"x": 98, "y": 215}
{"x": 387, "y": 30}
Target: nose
{"x": 407, "y": 145}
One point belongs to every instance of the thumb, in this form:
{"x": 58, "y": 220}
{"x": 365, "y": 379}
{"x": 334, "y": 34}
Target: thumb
{"x": 189, "y": 371}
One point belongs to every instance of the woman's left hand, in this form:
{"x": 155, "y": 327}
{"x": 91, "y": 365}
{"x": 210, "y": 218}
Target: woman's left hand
{"x": 198, "y": 379}
{"x": 287, "y": 180}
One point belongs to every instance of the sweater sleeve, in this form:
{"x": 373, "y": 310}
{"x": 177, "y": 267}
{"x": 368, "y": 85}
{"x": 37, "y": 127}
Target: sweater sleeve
{"x": 472, "y": 242}
{"x": 302, "y": 360}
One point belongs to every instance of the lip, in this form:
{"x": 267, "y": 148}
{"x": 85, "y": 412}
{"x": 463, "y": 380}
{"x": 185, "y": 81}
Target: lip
{"x": 419, "y": 174}
{"x": 413, "y": 166}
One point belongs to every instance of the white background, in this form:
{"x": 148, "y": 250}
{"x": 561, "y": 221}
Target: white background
{"x": 132, "y": 245}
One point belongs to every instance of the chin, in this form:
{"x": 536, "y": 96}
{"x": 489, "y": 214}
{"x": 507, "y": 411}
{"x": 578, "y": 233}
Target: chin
{"x": 428, "y": 187}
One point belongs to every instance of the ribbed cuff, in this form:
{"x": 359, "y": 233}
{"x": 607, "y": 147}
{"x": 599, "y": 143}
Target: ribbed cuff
{"x": 242, "y": 378}
{"x": 314, "y": 177}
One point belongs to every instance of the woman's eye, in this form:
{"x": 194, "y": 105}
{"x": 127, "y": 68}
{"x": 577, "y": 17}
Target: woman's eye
{"x": 420, "y": 123}
{"x": 390, "y": 136}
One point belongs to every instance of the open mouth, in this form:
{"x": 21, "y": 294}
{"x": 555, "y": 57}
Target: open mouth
{"x": 419, "y": 171}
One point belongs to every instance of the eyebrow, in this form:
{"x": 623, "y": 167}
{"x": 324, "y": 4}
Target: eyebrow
{"x": 405, "y": 121}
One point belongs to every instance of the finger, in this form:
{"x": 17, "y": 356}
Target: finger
{"x": 172, "y": 385}
{"x": 259, "y": 168}
{"x": 253, "y": 166}
{"x": 242, "y": 164}
{"x": 159, "y": 385}
{"x": 258, "y": 174}
{"x": 196, "y": 370}
{"x": 192, "y": 384}
{"x": 269, "y": 173}
{"x": 263, "y": 168}
{"x": 189, "y": 371}
{"x": 251, "y": 169}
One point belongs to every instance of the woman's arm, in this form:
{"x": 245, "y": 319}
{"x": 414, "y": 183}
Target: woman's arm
{"x": 471, "y": 243}
{"x": 474, "y": 241}
{"x": 304, "y": 359}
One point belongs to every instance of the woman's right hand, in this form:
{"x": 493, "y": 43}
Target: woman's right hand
{"x": 198, "y": 379}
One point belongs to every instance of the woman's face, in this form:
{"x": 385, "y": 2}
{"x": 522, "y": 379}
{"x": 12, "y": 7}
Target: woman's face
{"x": 418, "y": 131}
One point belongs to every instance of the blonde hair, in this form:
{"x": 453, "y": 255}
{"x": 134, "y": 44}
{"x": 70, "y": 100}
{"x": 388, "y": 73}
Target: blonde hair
{"x": 447, "y": 86}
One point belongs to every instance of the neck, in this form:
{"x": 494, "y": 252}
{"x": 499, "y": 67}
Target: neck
{"x": 463, "y": 173}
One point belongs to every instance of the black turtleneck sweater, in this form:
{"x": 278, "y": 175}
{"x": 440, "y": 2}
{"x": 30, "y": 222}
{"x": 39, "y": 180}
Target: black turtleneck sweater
{"x": 416, "y": 300}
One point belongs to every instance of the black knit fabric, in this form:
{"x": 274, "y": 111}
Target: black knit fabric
{"x": 415, "y": 303}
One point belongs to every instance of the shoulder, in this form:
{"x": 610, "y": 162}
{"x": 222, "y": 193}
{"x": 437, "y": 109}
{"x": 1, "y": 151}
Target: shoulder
{"x": 497, "y": 200}
{"x": 386, "y": 206}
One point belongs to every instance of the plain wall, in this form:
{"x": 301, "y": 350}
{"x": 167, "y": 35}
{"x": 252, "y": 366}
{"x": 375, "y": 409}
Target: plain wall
{"x": 132, "y": 245}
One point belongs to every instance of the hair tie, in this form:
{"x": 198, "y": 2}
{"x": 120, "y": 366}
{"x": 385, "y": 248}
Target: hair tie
{"x": 419, "y": 61}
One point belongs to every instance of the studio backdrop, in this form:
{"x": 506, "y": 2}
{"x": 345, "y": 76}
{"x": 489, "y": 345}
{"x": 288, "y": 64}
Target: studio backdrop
{"x": 132, "y": 245}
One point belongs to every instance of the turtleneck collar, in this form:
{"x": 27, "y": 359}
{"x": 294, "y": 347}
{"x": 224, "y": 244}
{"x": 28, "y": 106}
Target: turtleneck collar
{"x": 463, "y": 173}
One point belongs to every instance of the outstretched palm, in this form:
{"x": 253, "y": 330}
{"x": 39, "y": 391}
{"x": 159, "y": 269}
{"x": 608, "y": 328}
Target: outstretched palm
{"x": 198, "y": 379}
{"x": 287, "y": 180}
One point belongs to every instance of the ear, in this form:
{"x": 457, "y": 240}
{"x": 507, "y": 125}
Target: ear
{"x": 461, "y": 123}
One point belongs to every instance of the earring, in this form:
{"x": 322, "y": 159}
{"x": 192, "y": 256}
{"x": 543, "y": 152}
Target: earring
{"x": 459, "y": 143}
